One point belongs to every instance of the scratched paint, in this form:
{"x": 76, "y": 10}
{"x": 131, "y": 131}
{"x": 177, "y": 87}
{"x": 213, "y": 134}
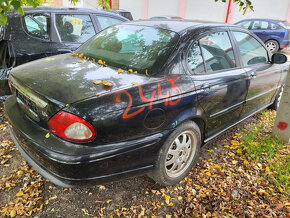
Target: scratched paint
{"x": 128, "y": 113}
{"x": 282, "y": 125}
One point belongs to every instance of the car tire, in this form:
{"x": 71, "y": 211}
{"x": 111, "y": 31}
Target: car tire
{"x": 178, "y": 154}
{"x": 277, "y": 100}
{"x": 272, "y": 45}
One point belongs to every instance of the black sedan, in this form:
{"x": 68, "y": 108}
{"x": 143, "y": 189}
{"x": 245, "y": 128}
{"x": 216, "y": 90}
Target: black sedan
{"x": 139, "y": 97}
{"x": 47, "y": 31}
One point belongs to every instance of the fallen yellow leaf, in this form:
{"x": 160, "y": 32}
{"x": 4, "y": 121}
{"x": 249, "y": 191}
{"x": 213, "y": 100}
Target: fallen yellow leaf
{"x": 47, "y": 135}
{"x": 19, "y": 194}
{"x": 134, "y": 83}
{"x": 210, "y": 150}
{"x": 97, "y": 82}
{"x": 13, "y": 213}
{"x": 246, "y": 162}
{"x": 167, "y": 198}
{"x": 179, "y": 198}
{"x": 107, "y": 84}
{"x": 130, "y": 70}
{"x": 135, "y": 71}
{"x": 108, "y": 201}
{"x": 52, "y": 210}
{"x": 20, "y": 173}
{"x": 80, "y": 61}
{"x": 146, "y": 72}
{"x": 120, "y": 70}
{"x": 81, "y": 55}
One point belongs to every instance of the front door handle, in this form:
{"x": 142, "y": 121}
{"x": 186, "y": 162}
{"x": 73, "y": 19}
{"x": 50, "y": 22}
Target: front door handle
{"x": 205, "y": 86}
{"x": 253, "y": 74}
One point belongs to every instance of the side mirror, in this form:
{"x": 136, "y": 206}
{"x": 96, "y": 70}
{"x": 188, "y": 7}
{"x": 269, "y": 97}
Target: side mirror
{"x": 278, "y": 58}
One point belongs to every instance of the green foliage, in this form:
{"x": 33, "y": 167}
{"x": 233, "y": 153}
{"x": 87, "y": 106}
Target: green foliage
{"x": 7, "y": 5}
{"x": 243, "y": 4}
{"x": 258, "y": 144}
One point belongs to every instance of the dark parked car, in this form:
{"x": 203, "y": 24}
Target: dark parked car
{"x": 45, "y": 31}
{"x": 139, "y": 97}
{"x": 274, "y": 33}
{"x": 123, "y": 13}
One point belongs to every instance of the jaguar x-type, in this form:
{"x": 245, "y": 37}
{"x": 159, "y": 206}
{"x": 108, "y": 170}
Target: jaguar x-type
{"x": 139, "y": 97}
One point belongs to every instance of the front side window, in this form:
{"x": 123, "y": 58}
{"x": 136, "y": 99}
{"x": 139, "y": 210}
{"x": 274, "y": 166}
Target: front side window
{"x": 252, "y": 52}
{"x": 37, "y": 25}
{"x": 74, "y": 27}
{"x": 260, "y": 25}
{"x": 105, "y": 21}
{"x": 217, "y": 51}
{"x": 133, "y": 47}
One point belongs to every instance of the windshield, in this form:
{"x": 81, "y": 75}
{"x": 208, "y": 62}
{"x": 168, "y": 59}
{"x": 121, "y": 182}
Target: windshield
{"x": 140, "y": 48}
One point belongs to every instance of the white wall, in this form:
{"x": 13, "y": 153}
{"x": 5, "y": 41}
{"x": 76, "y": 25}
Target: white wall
{"x": 163, "y": 7}
{"x": 205, "y": 10}
{"x": 134, "y": 6}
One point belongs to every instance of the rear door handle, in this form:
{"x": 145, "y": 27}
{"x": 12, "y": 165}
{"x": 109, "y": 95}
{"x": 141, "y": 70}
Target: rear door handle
{"x": 205, "y": 86}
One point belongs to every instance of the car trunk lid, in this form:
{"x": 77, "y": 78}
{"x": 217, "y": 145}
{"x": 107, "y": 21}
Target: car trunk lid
{"x": 45, "y": 86}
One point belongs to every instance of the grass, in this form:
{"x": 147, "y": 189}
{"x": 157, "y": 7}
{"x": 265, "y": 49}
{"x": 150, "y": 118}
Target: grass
{"x": 259, "y": 145}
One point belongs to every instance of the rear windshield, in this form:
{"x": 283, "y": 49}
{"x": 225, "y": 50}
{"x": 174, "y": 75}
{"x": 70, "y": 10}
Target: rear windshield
{"x": 286, "y": 24}
{"x": 140, "y": 48}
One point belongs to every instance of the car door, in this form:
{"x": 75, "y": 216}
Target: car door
{"x": 260, "y": 28}
{"x": 263, "y": 76}
{"x": 277, "y": 31}
{"x": 217, "y": 75}
{"x": 71, "y": 30}
{"x": 33, "y": 41}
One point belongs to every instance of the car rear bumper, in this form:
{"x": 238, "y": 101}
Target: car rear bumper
{"x": 75, "y": 169}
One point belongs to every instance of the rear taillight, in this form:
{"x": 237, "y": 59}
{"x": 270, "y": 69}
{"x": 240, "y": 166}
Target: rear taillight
{"x": 71, "y": 127}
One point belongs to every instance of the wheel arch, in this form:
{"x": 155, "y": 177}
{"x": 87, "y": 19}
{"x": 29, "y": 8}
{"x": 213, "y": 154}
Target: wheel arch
{"x": 191, "y": 114}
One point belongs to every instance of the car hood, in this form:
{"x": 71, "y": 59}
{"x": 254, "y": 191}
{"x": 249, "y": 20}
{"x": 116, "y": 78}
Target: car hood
{"x": 69, "y": 79}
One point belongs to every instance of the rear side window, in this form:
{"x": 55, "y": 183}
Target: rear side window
{"x": 105, "y": 21}
{"x": 195, "y": 60}
{"x": 217, "y": 52}
{"x": 274, "y": 26}
{"x": 252, "y": 52}
{"x": 74, "y": 27}
{"x": 37, "y": 25}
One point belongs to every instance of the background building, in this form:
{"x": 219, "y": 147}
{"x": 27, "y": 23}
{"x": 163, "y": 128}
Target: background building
{"x": 192, "y": 9}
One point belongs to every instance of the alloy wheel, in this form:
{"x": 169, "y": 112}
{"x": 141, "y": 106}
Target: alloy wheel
{"x": 180, "y": 154}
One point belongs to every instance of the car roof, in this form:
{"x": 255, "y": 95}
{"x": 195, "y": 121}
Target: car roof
{"x": 262, "y": 19}
{"x": 177, "y": 25}
{"x": 65, "y": 9}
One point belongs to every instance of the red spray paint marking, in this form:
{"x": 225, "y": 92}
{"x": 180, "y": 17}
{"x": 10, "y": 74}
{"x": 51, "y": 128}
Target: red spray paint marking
{"x": 163, "y": 96}
{"x": 147, "y": 99}
{"x": 125, "y": 114}
{"x": 282, "y": 125}
{"x": 174, "y": 88}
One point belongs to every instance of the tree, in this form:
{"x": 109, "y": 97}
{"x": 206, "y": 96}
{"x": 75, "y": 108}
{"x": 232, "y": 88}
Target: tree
{"x": 244, "y": 4}
{"x": 7, "y": 5}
